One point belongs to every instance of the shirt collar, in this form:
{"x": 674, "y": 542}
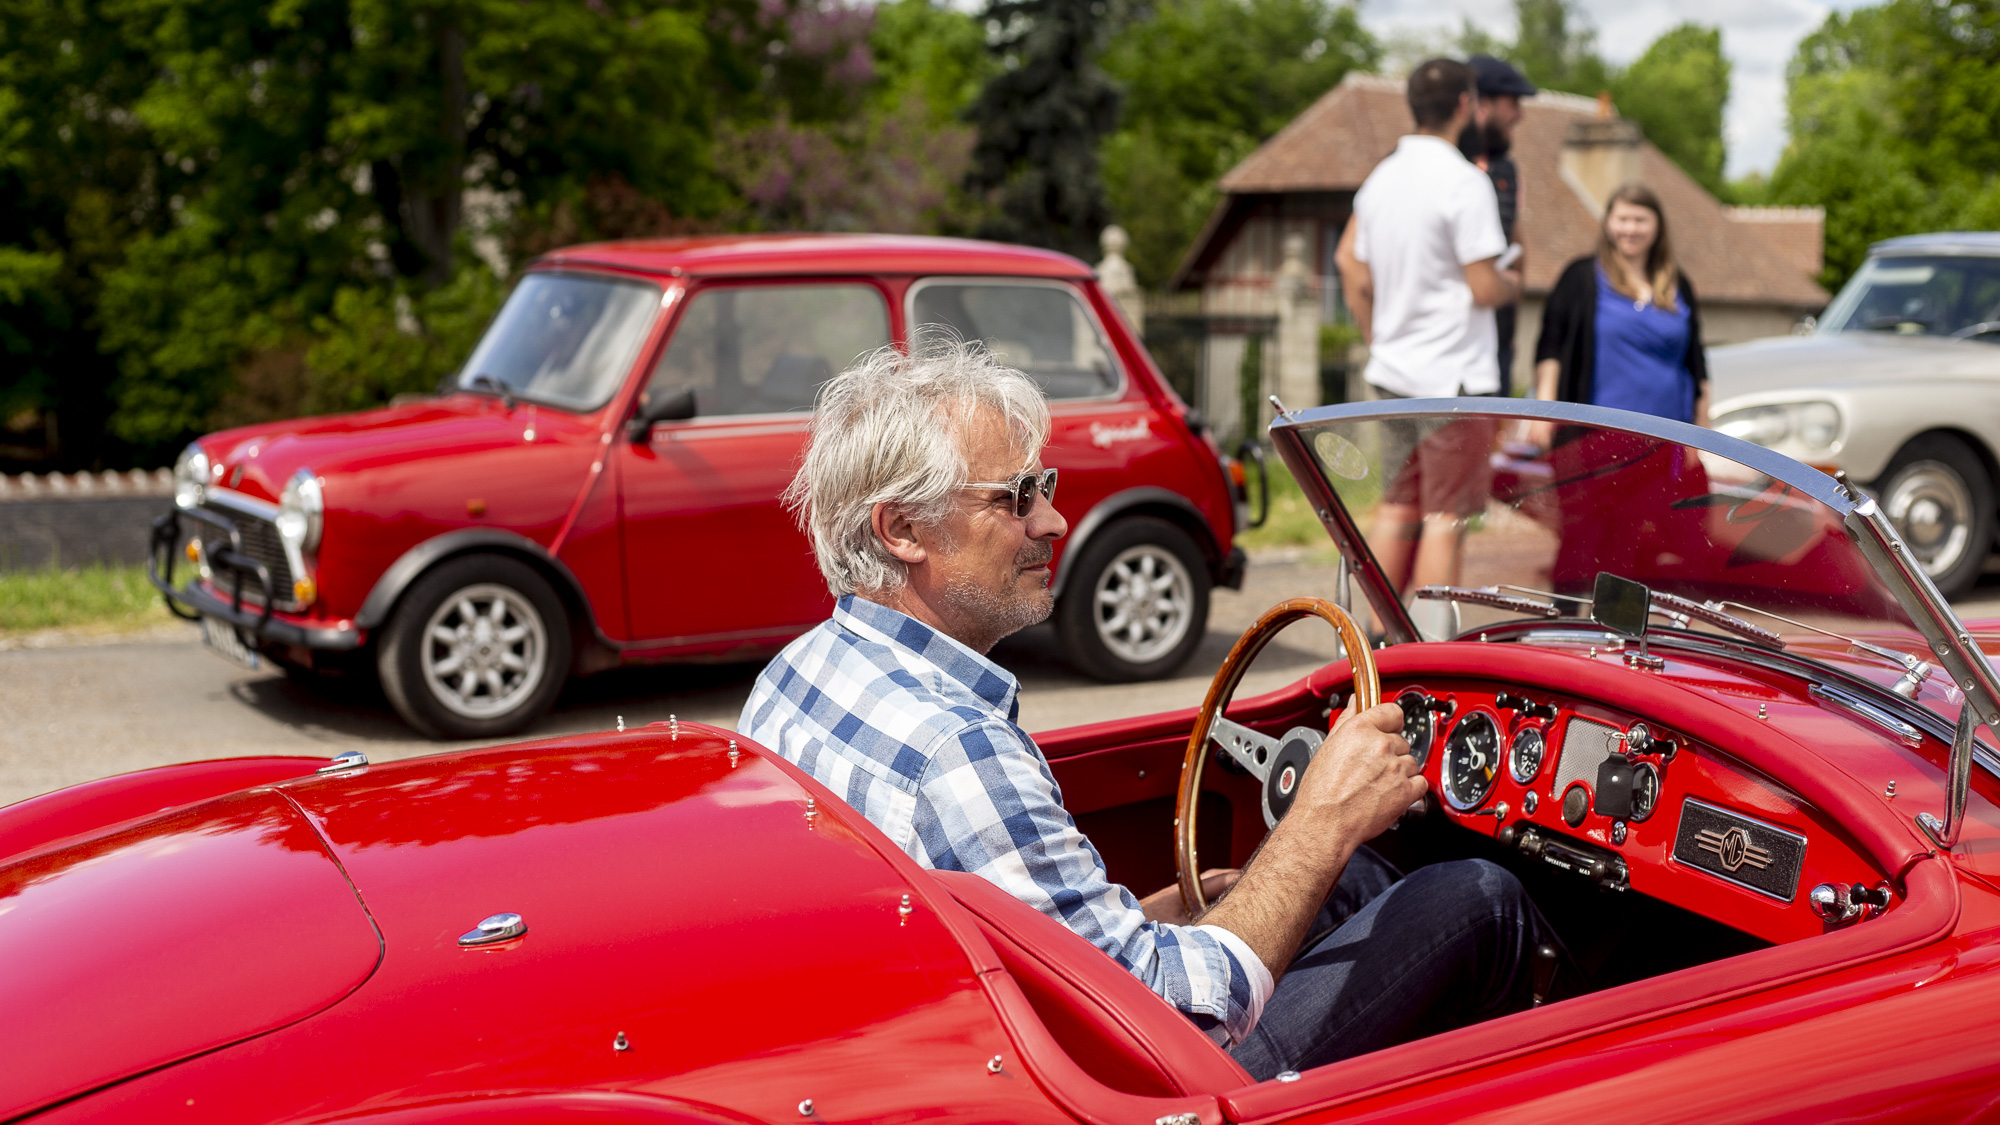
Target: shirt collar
{"x": 988, "y": 682}
{"x": 1416, "y": 142}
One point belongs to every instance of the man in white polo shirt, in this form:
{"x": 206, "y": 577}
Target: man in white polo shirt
{"x": 1420, "y": 267}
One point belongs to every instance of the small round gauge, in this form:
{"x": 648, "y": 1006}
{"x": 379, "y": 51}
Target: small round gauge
{"x": 1645, "y": 791}
{"x": 1525, "y": 757}
{"x": 1471, "y": 760}
{"x": 1419, "y": 723}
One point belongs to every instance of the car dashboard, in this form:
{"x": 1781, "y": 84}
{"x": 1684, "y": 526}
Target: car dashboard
{"x": 1628, "y": 803}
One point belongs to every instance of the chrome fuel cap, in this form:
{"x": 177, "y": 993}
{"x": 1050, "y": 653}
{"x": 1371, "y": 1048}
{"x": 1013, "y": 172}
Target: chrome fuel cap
{"x": 495, "y": 929}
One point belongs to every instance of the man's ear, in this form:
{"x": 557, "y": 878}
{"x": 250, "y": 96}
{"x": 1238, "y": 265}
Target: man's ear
{"x": 897, "y": 533}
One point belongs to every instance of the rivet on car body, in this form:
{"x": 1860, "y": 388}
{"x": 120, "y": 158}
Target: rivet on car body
{"x": 1889, "y": 790}
{"x": 621, "y": 724}
{"x": 621, "y": 1043}
{"x": 806, "y": 1108}
{"x": 903, "y": 918}
{"x": 1288, "y": 1076}
{"x": 734, "y": 753}
{"x": 1764, "y": 712}
{"x": 992, "y": 1064}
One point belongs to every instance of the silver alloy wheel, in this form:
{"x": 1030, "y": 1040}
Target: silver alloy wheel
{"x": 484, "y": 651}
{"x": 1143, "y": 603}
{"x": 1932, "y": 507}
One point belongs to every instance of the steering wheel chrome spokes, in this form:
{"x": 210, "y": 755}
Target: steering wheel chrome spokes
{"x": 1279, "y": 763}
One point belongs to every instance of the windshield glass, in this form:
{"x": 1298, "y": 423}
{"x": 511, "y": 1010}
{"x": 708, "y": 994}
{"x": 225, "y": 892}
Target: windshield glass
{"x": 1937, "y": 295}
{"x": 1511, "y": 504}
{"x": 566, "y": 340}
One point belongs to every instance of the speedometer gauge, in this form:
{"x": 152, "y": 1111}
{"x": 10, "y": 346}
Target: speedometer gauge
{"x": 1419, "y": 723}
{"x": 1471, "y": 759}
{"x": 1524, "y": 759}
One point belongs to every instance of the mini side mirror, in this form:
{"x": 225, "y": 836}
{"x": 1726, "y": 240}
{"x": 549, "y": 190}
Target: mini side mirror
{"x": 675, "y": 406}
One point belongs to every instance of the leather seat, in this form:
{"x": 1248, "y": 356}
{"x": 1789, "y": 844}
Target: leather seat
{"x": 1114, "y": 1027}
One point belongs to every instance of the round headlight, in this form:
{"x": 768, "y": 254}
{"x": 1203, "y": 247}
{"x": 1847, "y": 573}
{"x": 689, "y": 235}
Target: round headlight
{"x": 190, "y": 477}
{"x": 1759, "y": 425}
{"x": 1817, "y": 423}
{"x": 301, "y": 511}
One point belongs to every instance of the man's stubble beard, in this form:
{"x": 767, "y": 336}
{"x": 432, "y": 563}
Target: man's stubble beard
{"x": 1008, "y": 612}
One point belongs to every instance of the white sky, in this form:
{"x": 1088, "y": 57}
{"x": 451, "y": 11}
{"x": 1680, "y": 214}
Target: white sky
{"x": 1759, "y": 37}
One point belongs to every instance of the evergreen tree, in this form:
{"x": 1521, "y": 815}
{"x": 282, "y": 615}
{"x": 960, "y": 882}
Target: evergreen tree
{"x": 1040, "y": 120}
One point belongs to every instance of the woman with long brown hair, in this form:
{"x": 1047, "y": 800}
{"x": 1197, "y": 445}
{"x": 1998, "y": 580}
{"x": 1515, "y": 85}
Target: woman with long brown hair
{"x": 1621, "y": 328}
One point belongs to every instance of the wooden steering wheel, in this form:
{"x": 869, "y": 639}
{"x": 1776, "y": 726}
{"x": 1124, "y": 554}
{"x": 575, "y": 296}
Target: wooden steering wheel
{"x": 1277, "y": 764}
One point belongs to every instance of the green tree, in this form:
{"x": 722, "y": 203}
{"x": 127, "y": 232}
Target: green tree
{"x": 1555, "y": 46}
{"x": 1676, "y": 92}
{"x": 1040, "y": 118}
{"x": 1891, "y": 112}
{"x": 1206, "y": 81}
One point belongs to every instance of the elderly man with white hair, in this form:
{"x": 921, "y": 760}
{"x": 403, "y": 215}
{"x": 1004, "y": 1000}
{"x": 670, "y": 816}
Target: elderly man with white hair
{"x": 933, "y": 521}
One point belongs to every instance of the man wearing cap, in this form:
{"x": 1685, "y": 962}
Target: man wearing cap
{"x": 1486, "y": 141}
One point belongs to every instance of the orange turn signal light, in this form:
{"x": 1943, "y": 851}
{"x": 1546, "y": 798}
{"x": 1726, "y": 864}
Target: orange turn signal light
{"x": 194, "y": 550}
{"x": 304, "y": 591}
{"x": 1236, "y": 473}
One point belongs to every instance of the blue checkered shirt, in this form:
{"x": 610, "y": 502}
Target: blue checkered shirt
{"x": 918, "y": 733}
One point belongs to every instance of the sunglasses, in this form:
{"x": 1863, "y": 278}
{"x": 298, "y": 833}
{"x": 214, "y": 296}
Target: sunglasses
{"x": 1022, "y": 489}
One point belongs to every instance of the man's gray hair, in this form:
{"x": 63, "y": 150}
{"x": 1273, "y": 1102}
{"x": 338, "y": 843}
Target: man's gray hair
{"x": 887, "y": 430}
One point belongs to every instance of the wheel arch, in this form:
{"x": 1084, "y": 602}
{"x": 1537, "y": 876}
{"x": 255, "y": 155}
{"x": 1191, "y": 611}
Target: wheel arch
{"x": 434, "y": 552}
{"x": 1147, "y": 500}
{"x": 1970, "y": 440}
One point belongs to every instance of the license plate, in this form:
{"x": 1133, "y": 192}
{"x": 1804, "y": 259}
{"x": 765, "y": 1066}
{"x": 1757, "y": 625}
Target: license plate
{"x": 221, "y": 639}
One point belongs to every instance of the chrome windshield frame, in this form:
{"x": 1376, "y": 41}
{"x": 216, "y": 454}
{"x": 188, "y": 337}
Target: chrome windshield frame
{"x": 1950, "y": 642}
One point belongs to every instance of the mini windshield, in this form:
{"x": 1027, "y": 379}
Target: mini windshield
{"x": 563, "y": 339}
{"x": 1508, "y": 504}
{"x": 1932, "y": 295}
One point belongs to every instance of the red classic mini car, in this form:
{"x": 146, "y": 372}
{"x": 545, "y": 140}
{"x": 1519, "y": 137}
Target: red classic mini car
{"x": 1756, "y": 811}
{"x": 599, "y": 484}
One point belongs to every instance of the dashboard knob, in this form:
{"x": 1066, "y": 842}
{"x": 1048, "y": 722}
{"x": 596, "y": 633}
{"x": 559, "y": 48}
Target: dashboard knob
{"x": 1576, "y": 804}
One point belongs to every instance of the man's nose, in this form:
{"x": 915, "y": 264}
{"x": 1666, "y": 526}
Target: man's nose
{"x": 1044, "y": 522}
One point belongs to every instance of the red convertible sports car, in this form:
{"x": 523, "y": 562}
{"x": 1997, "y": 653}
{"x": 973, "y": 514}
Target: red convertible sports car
{"x": 1748, "y": 791}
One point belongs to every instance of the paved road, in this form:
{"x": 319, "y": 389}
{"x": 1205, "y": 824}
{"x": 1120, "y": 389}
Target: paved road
{"x": 72, "y": 713}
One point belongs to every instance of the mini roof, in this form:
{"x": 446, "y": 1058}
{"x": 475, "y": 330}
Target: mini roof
{"x": 1970, "y": 242}
{"x": 750, "y": 254}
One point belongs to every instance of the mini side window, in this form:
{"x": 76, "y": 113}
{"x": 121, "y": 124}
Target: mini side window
{"x": 766, "y": 349}
{"x": 1043, "y": 330}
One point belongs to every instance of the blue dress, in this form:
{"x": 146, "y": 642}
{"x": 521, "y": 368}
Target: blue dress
{"x": 1641, "y": 356}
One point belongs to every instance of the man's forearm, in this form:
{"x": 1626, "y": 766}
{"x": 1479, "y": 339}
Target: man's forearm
{"x": 1282, "y": 890}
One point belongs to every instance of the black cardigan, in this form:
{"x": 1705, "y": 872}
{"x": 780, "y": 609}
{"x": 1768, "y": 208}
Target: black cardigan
{"x": 1569, "y": 331}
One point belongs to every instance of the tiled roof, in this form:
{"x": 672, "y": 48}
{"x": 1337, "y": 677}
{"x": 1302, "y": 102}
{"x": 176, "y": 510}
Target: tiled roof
{"x": 1340, "y": 138}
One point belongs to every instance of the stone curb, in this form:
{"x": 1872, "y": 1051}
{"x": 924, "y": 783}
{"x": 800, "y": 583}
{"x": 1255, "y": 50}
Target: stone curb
{"x": 86, "y": 486}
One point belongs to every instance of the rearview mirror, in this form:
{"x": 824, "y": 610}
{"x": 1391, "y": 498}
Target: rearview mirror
{"x": 1621, "y": 605}
{"x": 675, "y": 406}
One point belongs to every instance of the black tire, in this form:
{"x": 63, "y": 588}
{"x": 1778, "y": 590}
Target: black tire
{"x": 1938, "y": 494}
{"x": 514, "y": 615}
{"x": 1101, "y": 634}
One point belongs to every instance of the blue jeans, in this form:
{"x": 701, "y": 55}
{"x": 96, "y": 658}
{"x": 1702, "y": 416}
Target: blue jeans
{"x": 1393, "y": 958}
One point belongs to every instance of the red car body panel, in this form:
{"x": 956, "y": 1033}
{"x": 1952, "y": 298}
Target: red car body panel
{"x": 616, "y": 515}
{"x": 754, "y": 950}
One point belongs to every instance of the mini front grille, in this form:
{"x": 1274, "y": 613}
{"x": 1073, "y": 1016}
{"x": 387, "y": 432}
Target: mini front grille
{"x": 260, "y": 541}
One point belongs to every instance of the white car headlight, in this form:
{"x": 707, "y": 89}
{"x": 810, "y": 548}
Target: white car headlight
{"x": 301, "y": 511}
{"x": 1808, "y": 427}
{"x": 190, "y": 477}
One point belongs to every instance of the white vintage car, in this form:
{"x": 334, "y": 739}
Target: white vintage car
{"x": 1898, "y": 385}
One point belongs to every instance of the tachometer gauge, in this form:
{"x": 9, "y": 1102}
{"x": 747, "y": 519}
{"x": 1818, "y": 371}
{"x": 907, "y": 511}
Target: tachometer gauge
{"x": 1525, "y": 758}
{"x": 1471, "y": 759}
{"x": 1419, "y": 723}
{"x": 1645, "y": 791}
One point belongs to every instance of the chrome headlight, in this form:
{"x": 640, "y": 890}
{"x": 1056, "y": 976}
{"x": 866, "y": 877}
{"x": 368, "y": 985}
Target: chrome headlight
{"x": 1807, "y": 427}
{"x": 190, "y": 477}
{"x": 302, "y": 510}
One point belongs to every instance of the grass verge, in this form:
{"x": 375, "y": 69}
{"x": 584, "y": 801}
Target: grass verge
{"x": 105, "y": 599}
{"x": 1292, "y": 524}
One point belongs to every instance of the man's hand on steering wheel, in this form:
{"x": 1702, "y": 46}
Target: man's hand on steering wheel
{"x": 1363, "y": 778}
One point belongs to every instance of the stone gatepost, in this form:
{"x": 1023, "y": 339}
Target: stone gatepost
{"x": 1120, "y": 284}
{"x": 1298, "y": 328}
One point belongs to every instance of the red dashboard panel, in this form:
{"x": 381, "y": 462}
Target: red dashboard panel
{"x": 1697, "y": 784}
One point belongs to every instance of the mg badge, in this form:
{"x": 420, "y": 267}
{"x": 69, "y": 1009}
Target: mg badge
{"x": 1287, "y": 778}
{"x": 1733, "y": 848}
